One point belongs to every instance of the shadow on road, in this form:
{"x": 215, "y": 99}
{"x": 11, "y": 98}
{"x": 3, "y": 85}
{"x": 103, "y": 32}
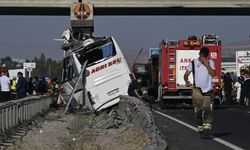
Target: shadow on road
{"x": 163, "y": 105}
{"x": 223, "y": 106}
{"x": 222, "y": 134}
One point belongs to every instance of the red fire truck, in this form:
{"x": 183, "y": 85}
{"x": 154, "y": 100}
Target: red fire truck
{"x": 173, "y": 60}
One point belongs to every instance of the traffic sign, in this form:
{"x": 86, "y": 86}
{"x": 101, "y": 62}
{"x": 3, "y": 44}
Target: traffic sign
{"x": 29, "y": 69}
{"x": 29, "y": 65}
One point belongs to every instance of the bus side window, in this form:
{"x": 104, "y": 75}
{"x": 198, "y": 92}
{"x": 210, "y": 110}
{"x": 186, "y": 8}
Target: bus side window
{"x": 108, "y": 51}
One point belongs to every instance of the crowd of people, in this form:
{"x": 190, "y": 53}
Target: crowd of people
{"x": 236, "y": 89}
{"x": 19, "y": 87}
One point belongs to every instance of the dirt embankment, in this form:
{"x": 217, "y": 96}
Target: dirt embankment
{"x": 81, "y": 132}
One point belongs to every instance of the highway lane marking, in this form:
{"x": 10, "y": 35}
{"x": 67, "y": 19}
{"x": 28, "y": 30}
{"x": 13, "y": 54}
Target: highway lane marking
{"x": 228, "y": 144}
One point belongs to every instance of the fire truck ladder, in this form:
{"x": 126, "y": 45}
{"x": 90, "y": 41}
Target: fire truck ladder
{"x": 171, "y": 68}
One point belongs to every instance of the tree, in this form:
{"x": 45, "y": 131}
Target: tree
{"x": 47, "y": 67}
{"x": 8, "y": 62}
{"x": 44, "y": 67}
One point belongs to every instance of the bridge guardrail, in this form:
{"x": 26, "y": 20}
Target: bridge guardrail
{"x": 14, "y": 113}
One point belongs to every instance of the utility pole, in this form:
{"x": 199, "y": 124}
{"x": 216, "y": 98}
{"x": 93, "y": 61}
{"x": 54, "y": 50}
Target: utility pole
{"x": 49, "y": 70}
{"x": 138, "y": 55}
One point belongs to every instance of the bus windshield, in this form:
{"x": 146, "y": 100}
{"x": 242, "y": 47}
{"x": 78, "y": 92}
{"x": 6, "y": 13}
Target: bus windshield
{"x": 97, "y": 53}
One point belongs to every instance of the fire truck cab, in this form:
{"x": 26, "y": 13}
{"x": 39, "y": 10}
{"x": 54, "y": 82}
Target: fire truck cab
{"x": 173, "y": 60}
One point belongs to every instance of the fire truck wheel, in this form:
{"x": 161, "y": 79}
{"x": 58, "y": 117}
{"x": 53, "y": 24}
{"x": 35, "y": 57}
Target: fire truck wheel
{"x": 162, "y": 104}
{"x": 159, "y": 94}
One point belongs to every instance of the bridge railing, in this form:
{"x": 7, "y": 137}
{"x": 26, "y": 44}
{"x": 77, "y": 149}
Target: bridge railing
{"x": 16, "y": 112}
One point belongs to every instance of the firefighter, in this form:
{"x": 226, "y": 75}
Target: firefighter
{"x": 203, "y": 70}
{"x": 228, "y": 87}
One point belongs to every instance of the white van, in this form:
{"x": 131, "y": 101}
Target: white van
{"x": 107, "y": 73}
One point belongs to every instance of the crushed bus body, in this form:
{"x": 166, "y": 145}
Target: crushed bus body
{"x": 107, "y": 73}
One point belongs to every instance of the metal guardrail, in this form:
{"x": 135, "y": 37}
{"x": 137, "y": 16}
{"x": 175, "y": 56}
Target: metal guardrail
{"x": 14, "y": 113}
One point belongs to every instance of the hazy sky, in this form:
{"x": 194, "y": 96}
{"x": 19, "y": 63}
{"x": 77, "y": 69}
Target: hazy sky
{"x": 29, "y": 36}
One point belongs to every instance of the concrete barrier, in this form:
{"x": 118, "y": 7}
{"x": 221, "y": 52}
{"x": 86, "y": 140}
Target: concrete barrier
{"x": 136, "y": 111}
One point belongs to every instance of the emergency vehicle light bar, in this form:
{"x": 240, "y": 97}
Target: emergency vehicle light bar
{"x": 210, "y": 39}
{"x": 192, "y": 43}
{"x": 172, "y": 43}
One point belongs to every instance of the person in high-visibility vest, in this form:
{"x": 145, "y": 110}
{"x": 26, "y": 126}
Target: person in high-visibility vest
{"x": 13, "y": 87}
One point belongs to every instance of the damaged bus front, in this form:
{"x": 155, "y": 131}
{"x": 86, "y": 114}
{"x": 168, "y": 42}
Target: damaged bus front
{"x": 106, "y": 75}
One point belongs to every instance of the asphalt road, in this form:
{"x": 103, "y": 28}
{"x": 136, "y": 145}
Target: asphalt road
{"x": 231, "y": 129}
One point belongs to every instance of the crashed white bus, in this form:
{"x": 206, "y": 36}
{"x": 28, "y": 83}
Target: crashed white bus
{"x": 107, "y": 73}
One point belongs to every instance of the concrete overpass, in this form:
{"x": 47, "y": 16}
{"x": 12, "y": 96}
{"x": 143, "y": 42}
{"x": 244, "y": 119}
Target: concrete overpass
{"x": 129, "y": 7}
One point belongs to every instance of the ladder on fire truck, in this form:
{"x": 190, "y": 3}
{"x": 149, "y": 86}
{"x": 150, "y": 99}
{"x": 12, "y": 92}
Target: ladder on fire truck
{"x": 171, "y": 65}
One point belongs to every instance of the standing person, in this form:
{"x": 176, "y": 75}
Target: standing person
{"x": 35, "y": 82}
{"x": 233, "y": 76}
{"x": 237, "y": 88}
{"x": 247, "y": 82}
{"x": 245, "y": 85}
{"x": 30, "y": 86}
{"x": 204, "y": 70}
{"x": 228, "y": 87}
{"x": 42, "y": 87}
{"x": 5, "y": 94}
{"x": 21, "y": 86}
